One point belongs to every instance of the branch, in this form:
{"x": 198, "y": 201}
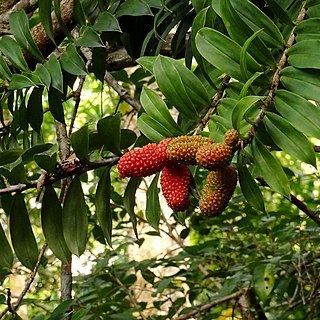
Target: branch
{"x": 26, "y": 288}
{"x": 214, "y": 104}
{"x": 275, "y": 80}
{"x": 206, "y": 307}
{"x": 122, "y": 92}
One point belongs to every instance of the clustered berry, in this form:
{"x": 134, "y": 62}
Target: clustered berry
{"x": 173, "y": 155}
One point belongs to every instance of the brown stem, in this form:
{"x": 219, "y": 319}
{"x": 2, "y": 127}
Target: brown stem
{"x": 214, "y": 104}
{"x": 27, "y": 286}
{"x": 122, "y": 92}
{"x": 206, "y": 307}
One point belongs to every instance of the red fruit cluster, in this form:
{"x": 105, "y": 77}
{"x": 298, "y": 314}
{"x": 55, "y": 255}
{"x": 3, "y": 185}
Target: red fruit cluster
{"x": 174, "y": 181}
{"x": 217, "y": 191}
{"x": 142, "y": 162}
{"x": 172, "y": 156}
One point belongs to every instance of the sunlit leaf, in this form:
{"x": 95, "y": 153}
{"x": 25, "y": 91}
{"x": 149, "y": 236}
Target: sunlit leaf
{"x": 264, "y": 280}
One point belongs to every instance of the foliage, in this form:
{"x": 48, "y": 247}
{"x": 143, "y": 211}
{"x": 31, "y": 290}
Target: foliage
{"x": 248, "y": 65}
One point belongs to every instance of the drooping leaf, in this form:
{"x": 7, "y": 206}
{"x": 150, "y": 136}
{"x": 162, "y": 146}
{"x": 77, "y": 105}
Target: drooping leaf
{"x": 51, "y": 221}
{"x": 34, "y": 109}
{"x": 55, "y": 104}
{"x": 43, "y": 74}
{"x": 28, "y": 155}
{"x": 62, "y": 24}
{"x": 153, "y": 210}
{"x": 199, "y": 5}
{"x": 72, "y": 62}
{"x": 22, "y": 237}
{"x": 106, "y": 22}
{"x": 78, "y": 13}
{"x": 47, "y": 160}
{"x": 152, "y": 129}
{"x": 9, "y": 156}
{"x": 110, "y": 131}
{"x": 134, "y": 8}
{"x": 302, "y": 82}
{"x": 4, "y": 69}
{"x": 289, "y": 139}
{"x": 301, "y": 113}
{"x": 147, "y": 63}
{"x": 13, "y": 52}
{"x": 19, "y": 25}
{"x": 102, "y": 203}
{"x": 305, "y": 54}
{"x": 181, "y": 87}
{"x": 156, "y": 108}
{"x": 54, "y": 69}
{"x": 6, "y": 257}
{"x": 45, "y": 7}
{"x": 75, "y": 218}
{"x": 223, "y": 53}
{"x": 129, "y": 200}
{"x": 128, "y": 138}
{"x": 264, "y": 280}
{"x": 248, "y": 185}
{"x": 80, "y": 142}
{"x": 89, "y": 38}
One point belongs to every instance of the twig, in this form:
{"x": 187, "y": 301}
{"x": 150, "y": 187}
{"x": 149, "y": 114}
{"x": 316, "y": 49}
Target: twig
{"x": 26, "y": 288}
{"x": 206, "y": 307}
{"x": 122, "y": 92}
{"x": 214, "y": 104}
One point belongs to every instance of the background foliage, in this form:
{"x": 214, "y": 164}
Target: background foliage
{"x": 70, "y": 107}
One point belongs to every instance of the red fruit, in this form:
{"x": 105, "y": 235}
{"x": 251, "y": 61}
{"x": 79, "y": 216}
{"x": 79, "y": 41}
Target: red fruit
{"x": 214, "y": 157}
{"x": 183, "y": 149}
{"x": 174, "y": 181}
{"x": 231, "y": 137}
{"x": 142, "y": 162}
{"x": 217, "y": 191}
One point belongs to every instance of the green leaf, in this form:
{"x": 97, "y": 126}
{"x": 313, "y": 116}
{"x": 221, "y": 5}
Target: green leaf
{"x": 305, "y": 54}
{"x": 241, "y": 108}
{"x": 289, "y": 139}
{"x": 223, "y": 53}
{"x": 181, "y": 87}
{"x": 22, "y": 237}
{"x": 102, "y": 203}
{"x": 80, "y": 142}
{"x": 279, "y": 12}
{"x": 13, "y": 52}
{"x": 270, "y": 168}
{"x": 152, "y": 129}
{"x": 128, "y": 138}
{"x": 45, "y": 17}
{"x": 28, "y": 155}
{"x": 239, "y": 31}
{"x": 263, "y": 280}
{"x": 89, "y": 38}
{"x": 106, "y": 22}
{"x": 153, "y": 210}
{"x": 134, "y": 8}
{"x": 200, "y": 4}
{"x": 62, "y": 25}
{"x": 43, "y": 74}
{"x": 6, "y": 257}
{"x": 9, "y": 156}
{"x": 51, "y": 221}
{"x": 308, "y": 29}
{"x": 110, "y": 131}
{"x": 248, "y": 84}
{"x": 256, "y": 20}
{"x": 55, "y": 104}
{"x": 147, "y": 63}
{"x": 34, "y": 109}
{"x": 47, "y": 161}
{"x": 156, "y": 108}
{"x": 19, "y": 25}
{"x": 19, "y": 81}
{"x": 75, "y": 218}
{"x": 303, "y": 82}
{"x": 301, "y": 113}
{"x": 248, "y": 185}
{"x": 54, "y": 69}
{"x": 79, "y": 13}
{"x": 72, "y": 62}
{"x": 129, "y": 200}
{"x": 4, "y": 69}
